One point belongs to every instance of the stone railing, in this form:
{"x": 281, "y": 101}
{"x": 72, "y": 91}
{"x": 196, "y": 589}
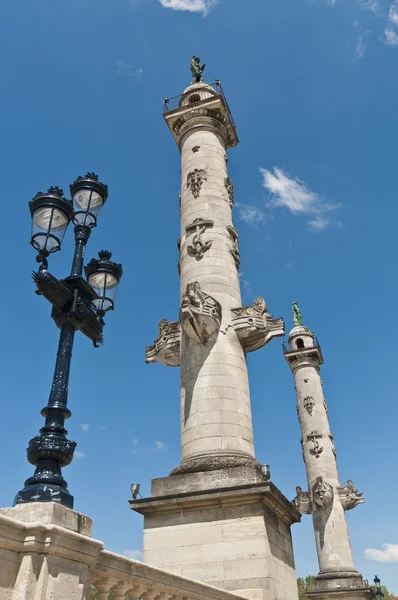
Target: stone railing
{"x": 121, "y": 576}
{"x": 47, "y": 553}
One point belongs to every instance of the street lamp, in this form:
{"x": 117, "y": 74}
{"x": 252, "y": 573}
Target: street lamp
{"x": 78, "y": 304}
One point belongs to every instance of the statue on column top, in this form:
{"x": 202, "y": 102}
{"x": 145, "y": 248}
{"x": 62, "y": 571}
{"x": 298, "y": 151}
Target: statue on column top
{"x": 297, "y": 316}
{"x": 196, "y": 69}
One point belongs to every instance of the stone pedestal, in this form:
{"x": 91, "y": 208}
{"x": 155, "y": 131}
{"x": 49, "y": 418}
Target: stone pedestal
{"x": 45, "y": 553}
{"x": 228, "y": 528}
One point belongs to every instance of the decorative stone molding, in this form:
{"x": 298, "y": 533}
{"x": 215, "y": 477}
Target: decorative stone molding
{"x": 302, "y": 501}
{"x": 254, "y": 326}
{"x": 213, "y": 463}
{"x": 309, "y": 404}
{"x": 196, "y": 149}
{"x": 195, "y": 180}
{"x": 218, "y": 120}
{"x": 313, "y": 437}
{"x": 230, "y": 190}
{"x": 166, "y": 348}
{"x": 349, "y": 496}
{"x": 179, "y": 256}
{"x": 235, "y": 245}
{"x": 200, "y": 314}
{"x": 322, "y": 493}
{"x": 198, "y": 227}
{"x": 325, "y": 406}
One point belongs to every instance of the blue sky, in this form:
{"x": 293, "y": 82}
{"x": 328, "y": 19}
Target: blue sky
{"x": 313, "y": 89}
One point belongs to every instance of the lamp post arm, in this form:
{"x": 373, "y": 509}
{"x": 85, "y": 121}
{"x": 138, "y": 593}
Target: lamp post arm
{"x": 82, "y": 235}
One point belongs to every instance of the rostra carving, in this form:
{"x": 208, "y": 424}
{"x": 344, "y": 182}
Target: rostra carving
{"x": 254, "y": 326}
{"x": 230, "y": 190}
{"x": 198, "y": 247}
{"x": 331, "y": 438}
{"x": 309, "y": 404}
{"x": 195, "y": 180}
{"x": 200, "y": 314}
{"x": 235, "y": 244}
{"x": 349, "y": 496}
{"x": 313, "y": 437}
{"x": 166, "y": 348}
{"x": 302, "y": 501}
{"x": 179, "y": 256}
{"x": 322, "y": 493}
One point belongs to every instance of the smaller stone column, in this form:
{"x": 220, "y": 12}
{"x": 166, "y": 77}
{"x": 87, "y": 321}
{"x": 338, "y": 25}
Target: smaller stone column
{"x": 325, "y": 499}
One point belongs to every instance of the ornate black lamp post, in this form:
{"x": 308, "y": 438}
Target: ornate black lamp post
{"x": 77, "y": 305}
{"x": 379, "y": 591}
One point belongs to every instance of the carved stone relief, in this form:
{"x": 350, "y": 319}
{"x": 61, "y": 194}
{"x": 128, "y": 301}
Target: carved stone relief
{"x": 254, "y": 326}
{"x": 322, "y": 493}
{"x": 332, "y": 445}
{"x": 195, "y": 180}
{"x": 349, "y": 496}
{"x": 309, "y": 404}
{"x": 325, "y": 405}
{"x": 230, "y": 190}
{"x": 317, "y": 449}
{"x": 198, "y": 227}
{"x": 302, "y": 501}
{"x": 166, "y": 348}
{"x": 196, "y": 149}
{"x": 200, "y": 314}
{"x": 179, "y": 256}
{"x": 235, "y": 245}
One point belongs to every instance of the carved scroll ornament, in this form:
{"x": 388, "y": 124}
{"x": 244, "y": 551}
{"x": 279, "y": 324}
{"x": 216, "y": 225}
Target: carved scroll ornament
{"x": 230, "y": 190}
{"x": 195, "y": 180}
{"x": 322, "y": 493}
{"x": 198, "y": 247}
{"x": 200, "y": 314}
{"x": 349, "y": 496}
{"x": 166, "y": 348}
{"x": 235, "y": 245}
{"x": 254, "y": 326}
{"x": 302, "y": 501}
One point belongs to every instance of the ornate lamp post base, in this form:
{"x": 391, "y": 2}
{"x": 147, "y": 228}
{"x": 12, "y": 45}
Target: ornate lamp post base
{"x": 42, "y": 492}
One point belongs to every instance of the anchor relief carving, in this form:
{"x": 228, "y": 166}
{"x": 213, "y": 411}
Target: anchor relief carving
{"x": 254, "y": 326}
{"x": 166, "y": 348}
{"x": 313, "y": 437}
{"x": 200, "y": 314}
{"x": 198, "y": 247}
{"x": 195, "y": 180}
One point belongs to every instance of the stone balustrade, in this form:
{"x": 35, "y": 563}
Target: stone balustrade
{"x": 47, "y": 553}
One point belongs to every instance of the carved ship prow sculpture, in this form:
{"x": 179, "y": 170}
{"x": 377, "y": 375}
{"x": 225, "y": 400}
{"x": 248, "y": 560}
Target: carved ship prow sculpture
{"x": 254, "y": 326}
{"x": 200, "y": 314}
{"x": 166, "y": 347}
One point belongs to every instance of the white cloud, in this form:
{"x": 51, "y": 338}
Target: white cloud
{"x": 252, "y": 215}
{"x": 288, "y": 192}
{"x": 393, "y": 13}
{"x": 388, "y": 554}
{"x": 159, "y": 445}
{"x": 360, "y": 47}
{"x": 201, "y": 6}
{"x": 125, "y": 70}
{"x": 318, "y": 223}
{"x": 331, "y": 2}
{"x": 293, "y": 194}
{"x": 246, "y": 285}
{"x": 78, "y": 454}
{"x": 134, "y": 554}
{"x": 391, "y": 38}
{"x": 135, "y": 442}
{"x": 372, "y": 5}
{"x": 85, "y": 426}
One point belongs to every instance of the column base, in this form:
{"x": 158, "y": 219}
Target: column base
{"x": 340, "y": 583}
{"x": 228, "y": 528}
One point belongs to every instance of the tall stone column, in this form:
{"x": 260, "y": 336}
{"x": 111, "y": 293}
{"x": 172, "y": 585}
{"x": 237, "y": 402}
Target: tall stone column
{"x": 216, "y": 517}
{"x": 325, "y": 499}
